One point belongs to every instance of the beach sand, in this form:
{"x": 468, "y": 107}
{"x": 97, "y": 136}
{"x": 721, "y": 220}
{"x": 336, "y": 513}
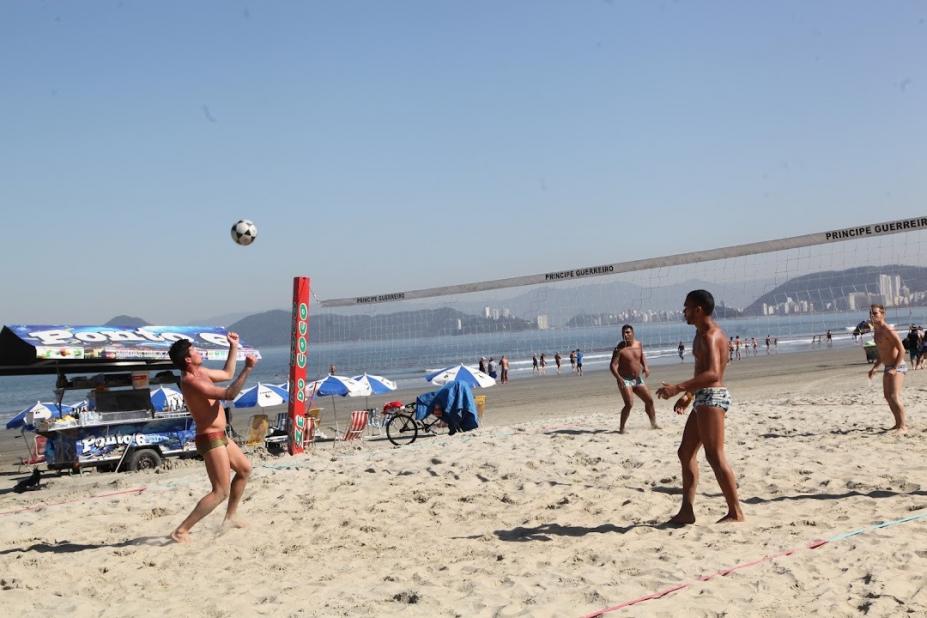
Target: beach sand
{"x": 544, "y": 511}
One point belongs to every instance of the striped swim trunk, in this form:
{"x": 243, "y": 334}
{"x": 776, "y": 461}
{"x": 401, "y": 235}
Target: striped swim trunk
{"x": 901, "y": 368}
{"x": 205, "y": 442}
{"x": 632, "y": 382}
{"x": 715, "y": 397}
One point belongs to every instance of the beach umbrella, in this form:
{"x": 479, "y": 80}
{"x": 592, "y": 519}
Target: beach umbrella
{"x": 262, "y": 395}
{"x": 378, "y": 384}
{"x": 39, "y": 411}
{"x": 460, "y": 373}
{"x": 166, "y": 398}
{"x": 342, "y": 386}
{"x": 79, "y": 406}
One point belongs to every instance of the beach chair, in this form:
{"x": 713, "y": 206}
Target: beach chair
{"x": 277, "y": 436}
{"x": 312, "y": 425}
{"x": 36, "y": 452}
{"x": 357, "y": 426}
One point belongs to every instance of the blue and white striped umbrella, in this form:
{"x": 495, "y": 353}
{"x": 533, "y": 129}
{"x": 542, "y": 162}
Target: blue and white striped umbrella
{"x": 40, "y": 410}
{"x": 262, "y": 395}
{"x": 460, "y": 373}
{"x": 342, "y": 386}
{"x": 332, "y": 385}
{"x": 377, "y": 384}
{"x": 165, "y": 397}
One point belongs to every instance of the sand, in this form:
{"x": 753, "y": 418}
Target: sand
{"x": 544, "y": 511}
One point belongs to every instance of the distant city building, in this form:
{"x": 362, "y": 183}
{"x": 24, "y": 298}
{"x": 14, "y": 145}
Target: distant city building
{"x": 543, "y": 322}
{"x": 859, "y": 301}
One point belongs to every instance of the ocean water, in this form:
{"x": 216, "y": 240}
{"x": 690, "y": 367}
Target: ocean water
{"x": 408, "y": 360}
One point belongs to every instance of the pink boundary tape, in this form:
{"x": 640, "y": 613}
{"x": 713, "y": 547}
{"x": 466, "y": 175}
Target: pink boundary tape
{"x": 36, "y": 507}
{"x": 816, "y": 543}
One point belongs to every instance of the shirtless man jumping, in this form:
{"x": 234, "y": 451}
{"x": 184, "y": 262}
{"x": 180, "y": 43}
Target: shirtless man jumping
{"x": 705, "y": 425}
{"x": 220, "y": 454}
{"x": 891, "y": 354}
{"x": 629, "y": 366}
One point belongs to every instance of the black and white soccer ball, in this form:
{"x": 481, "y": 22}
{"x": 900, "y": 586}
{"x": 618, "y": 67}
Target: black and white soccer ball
{"x": 244, "y": 232}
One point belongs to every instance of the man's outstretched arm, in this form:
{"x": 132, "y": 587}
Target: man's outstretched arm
{"x": 227, "y": 372}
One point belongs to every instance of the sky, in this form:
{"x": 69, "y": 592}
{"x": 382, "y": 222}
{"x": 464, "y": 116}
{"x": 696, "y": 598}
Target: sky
{"x": 384, "y": 146}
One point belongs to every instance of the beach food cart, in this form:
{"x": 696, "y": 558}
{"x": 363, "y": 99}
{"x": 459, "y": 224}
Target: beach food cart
{"x": 114, "y": 368}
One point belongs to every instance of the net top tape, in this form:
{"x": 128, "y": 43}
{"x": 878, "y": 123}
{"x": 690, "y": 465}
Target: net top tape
{"x": 766, "y": 246}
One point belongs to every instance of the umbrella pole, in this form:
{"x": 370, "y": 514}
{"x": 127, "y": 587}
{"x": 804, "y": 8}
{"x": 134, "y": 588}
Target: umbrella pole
{"x": 335, "y": 414}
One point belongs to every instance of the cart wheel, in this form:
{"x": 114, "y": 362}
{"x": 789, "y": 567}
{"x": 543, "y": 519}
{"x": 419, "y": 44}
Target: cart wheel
{"x": 143, "y": 459}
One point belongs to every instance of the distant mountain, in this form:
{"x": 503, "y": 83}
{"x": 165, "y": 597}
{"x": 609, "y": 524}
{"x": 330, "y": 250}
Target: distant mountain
{"x": 127, "y": 320}
{"x": 273, "y": 327}
{"x": 834, "y": 287}
{"x": 222, "y": 320}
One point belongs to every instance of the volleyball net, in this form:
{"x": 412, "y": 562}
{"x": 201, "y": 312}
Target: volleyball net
{"x": 789, "y": 290}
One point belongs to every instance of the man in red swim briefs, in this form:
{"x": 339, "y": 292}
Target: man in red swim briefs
{"x": 221, "y": 455}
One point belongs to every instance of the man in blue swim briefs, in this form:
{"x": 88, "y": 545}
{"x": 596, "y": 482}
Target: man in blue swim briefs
{"x": 629, "y": 366}
{"x": 705, "y": 425}
{"x": 891, "y": 354}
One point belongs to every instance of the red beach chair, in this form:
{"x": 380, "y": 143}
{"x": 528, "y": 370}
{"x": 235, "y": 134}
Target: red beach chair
{"x": 312, "y": 423}
{"x": 36, "y": 453}
{"x": 357, "y": 426}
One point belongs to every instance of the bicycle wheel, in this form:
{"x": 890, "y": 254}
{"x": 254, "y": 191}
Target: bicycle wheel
{"x": 402, "y": 429}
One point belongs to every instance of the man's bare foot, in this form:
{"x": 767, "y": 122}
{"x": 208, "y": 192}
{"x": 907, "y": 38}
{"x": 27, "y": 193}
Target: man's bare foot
{"x": 732, "y": 517}
{"x": 621, "y": 430}
{"x": 233, "y": 522}
{"x": 180, "y": 536}
{"x": 684, "y": 517}
{"x": 900, "y": 430}
{"x": 655, "y": 426}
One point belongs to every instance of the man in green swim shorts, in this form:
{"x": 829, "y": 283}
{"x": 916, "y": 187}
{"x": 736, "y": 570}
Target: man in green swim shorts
{"x": 629, "y": 366}
{"x": 705, "y": 425}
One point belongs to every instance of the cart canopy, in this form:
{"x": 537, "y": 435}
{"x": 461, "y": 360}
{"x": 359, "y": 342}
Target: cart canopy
{"x": 54, "y": 348}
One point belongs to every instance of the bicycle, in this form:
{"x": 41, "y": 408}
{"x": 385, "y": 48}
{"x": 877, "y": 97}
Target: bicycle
{"x": 402, "y": 428}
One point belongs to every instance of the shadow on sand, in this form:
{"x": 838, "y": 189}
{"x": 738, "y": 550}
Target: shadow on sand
{"x": 876, "y": 493}
{"x": 578, "y": 432}
{"x": 65, "y": 547}
{"x": 545, "y": 532}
